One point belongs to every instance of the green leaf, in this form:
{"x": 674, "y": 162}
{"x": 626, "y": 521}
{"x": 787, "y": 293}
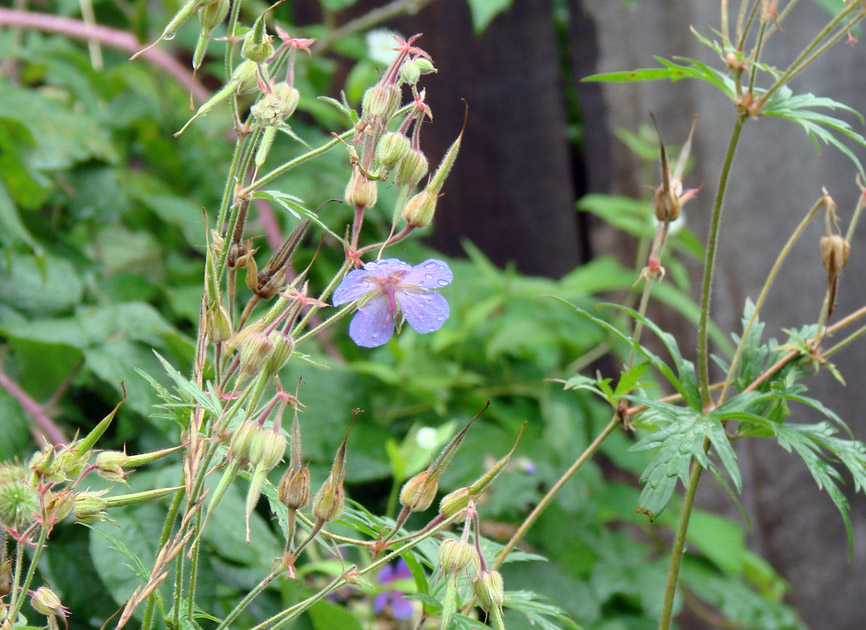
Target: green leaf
{"x": 801, "y": 110}
{"x": 326, "y": 615}
{"x": 483, "y": 12}
{"x": 672, "y": 71}
{"x": 295, "y": 207}
{"x": 539, "y": 611}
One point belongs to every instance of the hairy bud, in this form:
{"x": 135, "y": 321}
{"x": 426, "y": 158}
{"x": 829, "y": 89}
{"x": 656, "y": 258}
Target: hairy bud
{"x": 283, "y": 348}
{"x": 420, "y": 208}
{"x": 454, "y": 502}
{"x": 411, "y": 169}
{"x": 18, "y": 499}
{"x": 381, "y": 101}
{"x": 257, "y": 45}
{"x": 109, "y": 465}
{"x": 89, "y": 507}
{"x": 418, "y": 493}
{"x": 329, "y": 500}
{"x": 255, "y": 352}
{"x": 456, "y": 555}
{"x": 835, "y": 251}
{"x": 489, "y": 589}
{"x": 360, "y": 191}
{"x": 294, "y": 488}
{"x": 391, "y": 148}
{"x": 45, "y": 601}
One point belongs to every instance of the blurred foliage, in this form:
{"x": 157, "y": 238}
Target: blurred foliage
{"x": 102, "y": 235}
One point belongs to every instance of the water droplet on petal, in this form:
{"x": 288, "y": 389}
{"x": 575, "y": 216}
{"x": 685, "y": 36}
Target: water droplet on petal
{"x": 440, "y": 318}
{"x": 428, "y": 276}
{"x": 431, "y": 264}
{"x": 443, "y": 283}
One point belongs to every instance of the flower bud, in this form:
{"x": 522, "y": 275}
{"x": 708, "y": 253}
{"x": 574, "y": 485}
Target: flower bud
{"x": 425, "y": 65}
{"x": 240, "y": 444}
{"x": 489, "y": 589}
{"x": 218, "y": 322}
{"x": 109, "y": 465}
{"x": 212, "y": 15}
{"x": 418, "y": 493}
{"x": 266, "y": 447}
{"x": 456, "y": 555}
{"x": 59, "y": 505}
{"x": 46, "y": 465}
{"x": 666, "y": 205}
{"x": 420, "y": 208}
{"x": 391, "y": 148}
{"x": 45, "y": 601}
{"x": 410, "y": 72}
{"x": 835, "y": 251}
{"x": 381, "y": 101}
{"x": 360, "y": 191}
{"x": 275, "y": 107}
{"x": 89, "y": 507}
{"x": 329, "y": 501}
{"x": 256, "y": 350}
{"x": 257, "y": 45}
{"x": 294, "y": 488}
{"x": 283, "y": 348}
{"x": 411, "y": 169}
{"x": 454, "y": 502}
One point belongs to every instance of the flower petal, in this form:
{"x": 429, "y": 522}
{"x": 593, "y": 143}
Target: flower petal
{"x": 386, "y": 574}
{"x": 401, "y": 607}
{"x": 381, "y": 601}
{"x": 355, "y": 285}
{"x": 386, "y": 267}
{"x": 373, "y": 324}
{"x": 424, "y": 310}
{"x": 402, "y": 570}
{"x": 430, "y": 274}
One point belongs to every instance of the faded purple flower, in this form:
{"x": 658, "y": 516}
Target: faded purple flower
{"x": 401, "y": 607}
{"x": 383, "y": 287}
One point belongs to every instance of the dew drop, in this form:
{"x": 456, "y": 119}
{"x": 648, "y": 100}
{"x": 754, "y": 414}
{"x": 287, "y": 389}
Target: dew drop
{"x": 443, "y": 283}
{"x": 440, "y": 318}
{"x": 168, "y": 37}
{"x": 432, "y": 264}
{"x": 428, "y": 276}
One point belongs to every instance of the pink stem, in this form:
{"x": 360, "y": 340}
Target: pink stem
{"x": 113, "y": 38}
{"x": 47, "y": 428}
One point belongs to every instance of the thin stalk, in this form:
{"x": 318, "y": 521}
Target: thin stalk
{"x": 638, "y": 325}
{"x": 229, "y": 61}
{"x": 846, "y": 341}
{"x": 551, "y": 494}
{"x": 794, "y": 67}
{"x": 325, "y": 323}
{"x": 147, "y": 621}
{"x": 763, "y": 296}
{"x": 710, "y": 262}
{"x": 285, "y": 168}
{"x": 679, "y": 543}
{"x": 823, "y": 48}
{"x": 249, "y": 597}
{"x": 15, "y": 607}
{"x": 758, "y": 46}
{"x": 743, "y": 30}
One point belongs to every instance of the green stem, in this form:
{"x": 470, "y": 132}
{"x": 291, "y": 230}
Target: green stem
{"x": 147, "y": 621}
{"x": 285, "y": 168}
{"x": 551, "y": 494}
{"x": 710, "y": 262}
{"x": 15, "y": 607}
{"x": 794, "y": 67}
{"x": 679, "y": 543}
{"x": 638, "y": 325}
{"x": 763, "y": 296}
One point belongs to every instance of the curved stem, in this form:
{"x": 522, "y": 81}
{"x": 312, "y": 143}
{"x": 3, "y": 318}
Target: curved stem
{"x": 710, "y": 263}
{"x": 763, "y": 296}
{"x": 551, "y": 494}
{"x": 679, "y": 543}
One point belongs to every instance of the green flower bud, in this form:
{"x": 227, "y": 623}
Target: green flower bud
{"x": 456, "y": 555}
{"x": 425, "y": 65}
{"x": 240, "y": 444}
{"x": 360, "y": 191}
{"x": 212, "y": 15}
{"x": 89, "y": 507}
{"x": 381, "y": 101}
{"x": 45, "y": 601}
{"x": 218, "y": 322}
{"x": 283, "y": 348}
{"x": 420, "y": 208}
{"x": 59, "y": 505}
{"x": 454, "y": 502}
{"x": 256, "y": 350}
{"x": 411, "y": 169}
{"x": 418, "y": 493}
{"x": 46, "y": 465}
{"x": 489, "y": 589}
{"x": 391, "y": 148}
{"x": 294, "y": 488}
{"x": 410, "y": 72}
{"x": 109, "y": 465}
{"x": 275, "y": 107}
{"x": 257, "y": 45}
{"x": 329, "y": 501}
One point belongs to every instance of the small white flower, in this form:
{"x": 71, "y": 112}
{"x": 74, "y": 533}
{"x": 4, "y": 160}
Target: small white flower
{"x": 381, "y": 45}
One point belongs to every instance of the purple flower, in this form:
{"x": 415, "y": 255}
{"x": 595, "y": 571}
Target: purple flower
{"x": 401, "y": 607}
{"x": 383, "y": 287}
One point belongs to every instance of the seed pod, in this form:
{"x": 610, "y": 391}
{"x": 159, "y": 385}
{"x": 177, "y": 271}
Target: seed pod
{"x": 45, "y": 601}
{"x": 391, "y": 148}
{"x": 489, "y": 589}
{"x": 329, "y": 500}
{"x": 109, "y": 465}
{"x": 257, "y": 45}
{"x": 6, "y": 578}
{"x": 59, "y": 505}
{"x": 218, "y": 322}
{"x": 456, "y": 555}
{"x": 418, "y": 493}
{"x": 666, "y": 205}
{"x": 279, "y": 104}
{"x": 294, "y": 488}
{"x": 835, "y": 251}
{"x": 283, "y": 348}
{"x": 256, "y": 350}
{"x": 454, "y": 502}
{"x": 410, "y": 72}
{"x": 380, "y": 102}
{"x": 420, "y": 208}
{"x": 360, "y": 191}
{"x": 240, "y": 444}
{"x": 89, "y": 507}
{"x": 411, "y": 169}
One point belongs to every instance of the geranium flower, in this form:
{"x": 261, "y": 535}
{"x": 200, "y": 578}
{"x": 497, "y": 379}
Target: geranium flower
{"x": 401, "y": 607}
{"x": 381, "y": 288}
